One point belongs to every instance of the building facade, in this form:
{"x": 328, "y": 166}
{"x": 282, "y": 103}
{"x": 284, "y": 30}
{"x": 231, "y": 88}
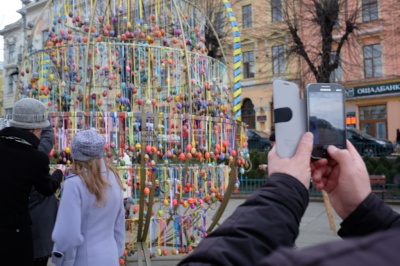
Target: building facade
{"x": 264, "y": 45}
{"x": 369, "y": 66}
{"x": 16, "y": 37}
{"x": 373, "y": 91}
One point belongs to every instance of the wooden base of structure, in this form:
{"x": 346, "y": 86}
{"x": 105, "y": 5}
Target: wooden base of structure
{"x": 143, "y": 254}
{"x": 328, "y": 207}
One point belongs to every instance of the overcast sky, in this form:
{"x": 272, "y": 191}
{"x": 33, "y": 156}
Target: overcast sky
{"x": 8, "y": 15}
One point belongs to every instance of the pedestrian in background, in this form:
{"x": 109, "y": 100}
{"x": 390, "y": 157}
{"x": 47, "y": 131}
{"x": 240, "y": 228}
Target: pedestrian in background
{"x": 89, "y": 229}
{"x": 43, "y": 210}
{"x": 22, "y": 166}
{"x": 272, "y": 142}
{"x": 397, "y": 140}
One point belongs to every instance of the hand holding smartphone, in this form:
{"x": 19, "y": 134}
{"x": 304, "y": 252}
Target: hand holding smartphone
{"x": 326, "y": 117}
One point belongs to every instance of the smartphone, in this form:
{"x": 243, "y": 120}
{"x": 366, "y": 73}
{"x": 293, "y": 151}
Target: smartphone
{"x": 289, "y": 117}
{"x": 326, "y": 117}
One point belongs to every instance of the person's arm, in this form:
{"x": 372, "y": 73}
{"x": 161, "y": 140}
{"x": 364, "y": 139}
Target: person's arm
{"x": 266, "y": 220}
{"x": 370, "y": 216}
{"x": 46, "y": 140}
{"x": 119, "y": 229}
{"x": 372, "y": 250}
{"x": 67, "y": 235}
{"x": 344, "y": 178}
{"x": 346, "y": 181}
{"x": 45, "y": 183}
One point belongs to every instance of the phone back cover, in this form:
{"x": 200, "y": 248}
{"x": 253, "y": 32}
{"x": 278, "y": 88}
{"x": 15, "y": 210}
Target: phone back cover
{"x": 289, "y": 116}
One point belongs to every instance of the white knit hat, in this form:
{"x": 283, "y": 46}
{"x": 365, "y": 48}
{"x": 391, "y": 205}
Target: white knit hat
{"x": 29, "y": 113}
{"x": 86, "y": 145}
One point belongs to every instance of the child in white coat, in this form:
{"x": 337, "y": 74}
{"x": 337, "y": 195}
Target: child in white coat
{"x": 89, "y": 230}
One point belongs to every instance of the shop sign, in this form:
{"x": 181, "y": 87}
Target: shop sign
{"x": 351, "y": 118}
{"x": 261, "y": 118}
{"x": 373, "y": 90}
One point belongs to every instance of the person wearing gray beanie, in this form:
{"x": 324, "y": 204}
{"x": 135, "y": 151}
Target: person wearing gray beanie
{"x": 87, "y": 145}
{"x": 23, "y": 166}
{"x": 91, "y": 208}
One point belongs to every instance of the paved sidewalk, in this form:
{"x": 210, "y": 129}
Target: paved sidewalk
{"x": 314, "y": 229}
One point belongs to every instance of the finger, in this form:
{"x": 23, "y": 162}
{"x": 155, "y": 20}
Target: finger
{"x": 320, "y": 185}
{"x": 321, "y": 172}
{"x": 316, "y": 178}
{"x": 319, "y": 163}
{"x": 352, "y": 150}
{"x": 305, "y": 146}
{"x": 342, "y": 157}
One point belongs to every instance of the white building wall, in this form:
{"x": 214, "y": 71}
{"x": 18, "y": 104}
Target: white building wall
{"x": 14, "y": 34}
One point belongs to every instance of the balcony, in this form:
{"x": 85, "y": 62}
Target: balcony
{"x": 12, "y": 61}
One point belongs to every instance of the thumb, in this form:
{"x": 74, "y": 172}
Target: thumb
{"x": 340, "y": 156}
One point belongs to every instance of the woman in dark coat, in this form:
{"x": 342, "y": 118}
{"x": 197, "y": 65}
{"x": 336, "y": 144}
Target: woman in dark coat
{"x": 22, "y": 167}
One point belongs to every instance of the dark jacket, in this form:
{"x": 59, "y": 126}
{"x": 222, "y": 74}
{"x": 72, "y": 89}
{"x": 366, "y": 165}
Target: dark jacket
{"x": 261, "y": 231}
{"x": 21, "y": 167}
{"x": 43, "y": 210}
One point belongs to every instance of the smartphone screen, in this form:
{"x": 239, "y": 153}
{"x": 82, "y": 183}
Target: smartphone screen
{"x": 326, "y": 117}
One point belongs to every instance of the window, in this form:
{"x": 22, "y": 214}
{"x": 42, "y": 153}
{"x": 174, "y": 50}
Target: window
{"x": 373, "y": 120}
{"x": 219, "y": 21}
{"x": 11, "y": 51}
{"x": 30, "y": 47}
{"x": 336, "y": 25}
{"x": 336, "y": 74}
{"x": 10, "y": 85}
{"x": 45, "y": 37}
{"x": 248, "y": 114}
{"x": 276, "y": 6}
{"x": 369, "y": 10}
{"x": 372, "y": 61}
{"x": 247, "y": 16}
{"x": 248, "y": 64}
{"x": 9, "y": 111}
{"x": 278, "y": 59}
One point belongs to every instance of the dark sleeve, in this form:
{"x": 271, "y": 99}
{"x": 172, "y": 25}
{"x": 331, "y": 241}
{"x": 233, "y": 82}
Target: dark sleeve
{"x": 46, "y": 140}
{"x": 376, "y": 249}
{"x": 45, "y": 183}
{"x": 371, "y": 215}
{"x": 266, "y": 220}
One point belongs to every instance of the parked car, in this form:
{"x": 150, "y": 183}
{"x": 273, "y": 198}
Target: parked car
{"x": 367, "y": 145}
{"x": 258, "y": 140}
{"x": 2, "y": 123}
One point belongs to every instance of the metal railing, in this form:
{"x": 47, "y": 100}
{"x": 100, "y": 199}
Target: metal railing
{"x": 249, "y": 185}
{"x": 374, "y": 149}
